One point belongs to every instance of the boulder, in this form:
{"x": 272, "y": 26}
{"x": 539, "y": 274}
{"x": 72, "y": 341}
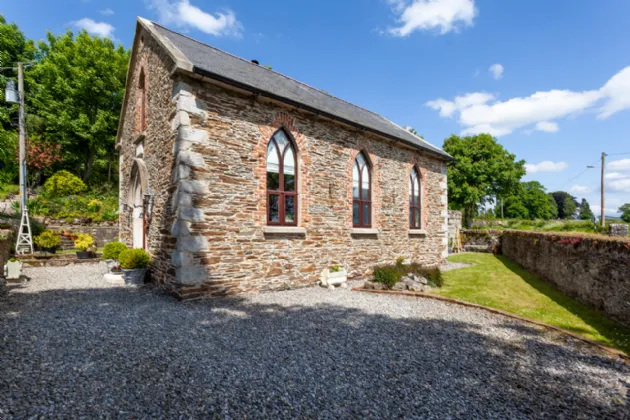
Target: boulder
{"x": 399, "y": 286}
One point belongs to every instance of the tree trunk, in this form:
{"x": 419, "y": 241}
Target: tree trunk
{"x": 89, "y": 165}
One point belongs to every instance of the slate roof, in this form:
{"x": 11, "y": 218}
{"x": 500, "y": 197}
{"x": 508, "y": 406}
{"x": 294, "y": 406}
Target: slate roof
{"x": 225, "y": 67}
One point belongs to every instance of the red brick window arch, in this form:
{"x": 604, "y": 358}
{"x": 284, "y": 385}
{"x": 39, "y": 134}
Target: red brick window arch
{"x": 361, "y": 192}
{"x": 141, "y": 103}
{"x": 415, "y": 199}
{"x": 282, "y": 196}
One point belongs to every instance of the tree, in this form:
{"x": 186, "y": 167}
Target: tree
{"x": 567, "y": 204}
{"x": 513, "y": 208}
{"x": 77, "y": 90}
{"x": 585, "y": 212}
{"x": 482, "y": 170}
{"x": 14, "y": 47}
{"x": 530, "y": 201}
{"x": 625, "y": 212}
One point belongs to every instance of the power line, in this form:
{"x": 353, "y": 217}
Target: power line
{"x": 578, "y": 175}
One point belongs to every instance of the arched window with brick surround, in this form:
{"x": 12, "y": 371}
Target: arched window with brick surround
{"x": 361, "y": 193}
{"x": 415, "y": 200}
{"x": 282, "y": 196}
{"x": 141, "y": 104}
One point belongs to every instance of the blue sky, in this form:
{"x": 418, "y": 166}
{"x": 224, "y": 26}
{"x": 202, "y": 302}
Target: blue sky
{"x": 551, "y": 79}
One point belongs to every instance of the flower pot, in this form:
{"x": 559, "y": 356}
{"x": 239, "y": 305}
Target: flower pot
{"x": 337, "y": 278}
{"x": 84, "y": 255}
{"x": 13, "y": 270}
{"x": 67, "y": 234}
{"x": 135, "y": 276}
{"x": 111, "y": 264}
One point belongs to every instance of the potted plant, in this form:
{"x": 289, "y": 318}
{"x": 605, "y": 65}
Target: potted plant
{"x": 334, "y": 276}
{"x": 48, "y": 241}
{"x": 134, "y": 263}
{"x": 13, "y": 269}
{"x": 111, "y": 252}
{"x": 85, "y": 245}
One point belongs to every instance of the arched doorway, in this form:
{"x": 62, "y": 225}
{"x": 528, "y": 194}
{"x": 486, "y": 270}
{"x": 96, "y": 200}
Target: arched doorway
{"x": 137, "y": 192}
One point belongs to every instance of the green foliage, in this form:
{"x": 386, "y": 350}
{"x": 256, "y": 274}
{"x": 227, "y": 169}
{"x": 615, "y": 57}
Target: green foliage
{"x": 585, "y": 212}
{"x": 112, "y": 250}
{"x": 130, "y": 259}
{"x": 77, "y": 206}
{"x": 47, "y": 239}
{"x": 335, "y": 269}
{"x": 482, "y": 170}
{"x": 529, "y": 201}
{"x": 567, "y": 204}
{"x": 387, "y": 275}
{"x": 84, "y": 242}
{"x": 7, "y": 189}
{"x": 62, "y": 184}
{"x": 76, "y": 93}
{"x": 625, "y": 212}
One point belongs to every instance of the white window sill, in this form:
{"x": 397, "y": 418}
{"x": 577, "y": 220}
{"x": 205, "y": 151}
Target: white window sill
{"x": 285, "y": 229}
{"x": 364, "y": 231}
{"x": 417, "y": 232}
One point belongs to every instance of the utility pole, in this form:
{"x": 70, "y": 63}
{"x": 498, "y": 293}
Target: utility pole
{"x": 603, "y": 218}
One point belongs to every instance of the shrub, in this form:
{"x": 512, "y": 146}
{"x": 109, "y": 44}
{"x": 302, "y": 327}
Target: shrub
{"x": 400, "y": 261}
{"x": 94, "y": 206}
{"x": 112, "y": 250}
{"x": 335, "y": 269}
{"x": 84, "y": 242}
{"x": 62, "y": 184}
{"x": 134, "y": 258}
{"x": 47, "y": 239}
{"x": 387, "y": 275}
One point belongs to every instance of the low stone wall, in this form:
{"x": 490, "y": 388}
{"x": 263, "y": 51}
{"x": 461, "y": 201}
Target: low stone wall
{"x": 593, "y": 269}
{"x": 482, "y": 240}
{"x": 618, "y": 230}
{"x": 454, "y": 222}
{"x": 6, "y": 241}
{"x": 101, "y": 234}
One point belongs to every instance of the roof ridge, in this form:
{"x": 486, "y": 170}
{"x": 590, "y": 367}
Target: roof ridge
{"x": 271, "y": 70}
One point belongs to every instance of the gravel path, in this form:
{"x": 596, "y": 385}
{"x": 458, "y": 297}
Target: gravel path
{"x": 71, "y": 347}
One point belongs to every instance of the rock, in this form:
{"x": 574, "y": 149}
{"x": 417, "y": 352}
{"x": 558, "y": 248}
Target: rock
{"x": 379, "y": 286}
{"x": 400, "y": 286}
{"x": 416, "y": 287}
{"x": 368, "y": 285}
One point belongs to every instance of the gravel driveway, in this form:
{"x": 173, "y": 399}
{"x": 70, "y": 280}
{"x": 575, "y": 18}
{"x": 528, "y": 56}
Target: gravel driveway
{"x": 71, "y": 346}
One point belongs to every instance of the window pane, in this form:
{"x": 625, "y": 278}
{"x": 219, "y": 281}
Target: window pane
{"x": 274, "y": 214}
{"x": 411, "y": 217}
{"x": 355, "y": 181}
{"x": 355, "y": 213}
{"x": 366, "y": 214}
{"x": 289, "y": 209}
{"x": 417, "y": 218}
{"x": 365, "y": 184}
{"x": 411, "y": 191}
{"x": 360, "y": 159}
{"x": 273, "y": 181}
{"x": 289, "y": 170}
{"x": 273, "y": 163}
{"x": 416, "y": 191}
{"x": 282, "y": 140}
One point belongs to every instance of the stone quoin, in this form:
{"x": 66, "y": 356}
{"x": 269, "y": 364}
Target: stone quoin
{"x": 202, "y": 190}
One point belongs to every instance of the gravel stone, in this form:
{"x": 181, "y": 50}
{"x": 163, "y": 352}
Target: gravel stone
{"x": 74, "y": 346}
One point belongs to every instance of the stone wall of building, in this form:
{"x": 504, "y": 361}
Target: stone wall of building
{"x": 223, "y": 244}
{"x": 154, "y": 148}
{"x": 594, "y": 270}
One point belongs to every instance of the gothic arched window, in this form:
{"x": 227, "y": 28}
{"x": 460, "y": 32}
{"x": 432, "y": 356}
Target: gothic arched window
{"x": 361, "y": 192}
{"x": 282, "y": 196}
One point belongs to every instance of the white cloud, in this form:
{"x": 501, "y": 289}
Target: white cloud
{"x": 619, "y": 165}
{"x": 448, "y": 108}
{"x": 95, "y": 28}
{"x": 444, "y": 15}
{"x": 184, "y": 15}
{"x": 619, "y": 185}
{"x": 496, "y": 70}
{"x": 547, "y": 126}
{"x": 616, "y": 175}
{"x": 580, "y": 189}
{"x": 107, "y": 12}
{"x": 546, "y": 166}
{"x": 596, "y": 209}
{"x": 538, "y": 110}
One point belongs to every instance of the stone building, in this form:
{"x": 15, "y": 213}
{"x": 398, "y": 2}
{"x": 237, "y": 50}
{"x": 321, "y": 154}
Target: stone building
{"x": 237, "y": 178}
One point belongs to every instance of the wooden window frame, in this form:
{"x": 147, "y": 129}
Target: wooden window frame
{"x": 361, "y": 200}
{"x": 415, "y": 206}
{"x": 281, "y": 193}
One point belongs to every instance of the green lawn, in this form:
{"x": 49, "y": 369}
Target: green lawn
{"x": 497, "y": 282}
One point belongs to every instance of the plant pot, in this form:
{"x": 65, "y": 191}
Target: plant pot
{"x": 337, "y": 278}
{"x": 84, "y": 255}
{"x": 111, "y": 264}
{"x": 67, "y": 234}
{"x": 135, "y": 276}
{"x": 13, "y": 270}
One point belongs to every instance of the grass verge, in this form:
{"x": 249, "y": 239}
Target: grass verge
{"x": 497, "y": 282}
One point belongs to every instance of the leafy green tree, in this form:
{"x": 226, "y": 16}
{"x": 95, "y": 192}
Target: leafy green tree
{"x": 567, "y": 204}
{"x": 14, "y": 47}
{"x": 585, "y": 212}
{"x": 482, "y": 170}
{"x": 76, "y": 91}
{"x": 553, "y": 207}
{"x": 513, "y": 208}
{"x": 625, "y": 212}
{"x": 530, "y": 201}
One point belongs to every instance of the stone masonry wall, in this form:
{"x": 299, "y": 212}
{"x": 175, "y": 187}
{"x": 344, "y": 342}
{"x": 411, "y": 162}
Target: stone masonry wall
{"x": 219, "y": 199}
{"x": 159, "y": 142}
{"x": 594, "y": 270}
{"x": 454, "y": 222}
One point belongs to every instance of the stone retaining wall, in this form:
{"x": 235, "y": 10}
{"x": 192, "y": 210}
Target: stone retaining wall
{"x": 454, "y": 222}
{"x": 482, "y": 240}
{"x": 6, "y": 241}
{"x": 101, "y": 234}
{"x": 593, "y": 269}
